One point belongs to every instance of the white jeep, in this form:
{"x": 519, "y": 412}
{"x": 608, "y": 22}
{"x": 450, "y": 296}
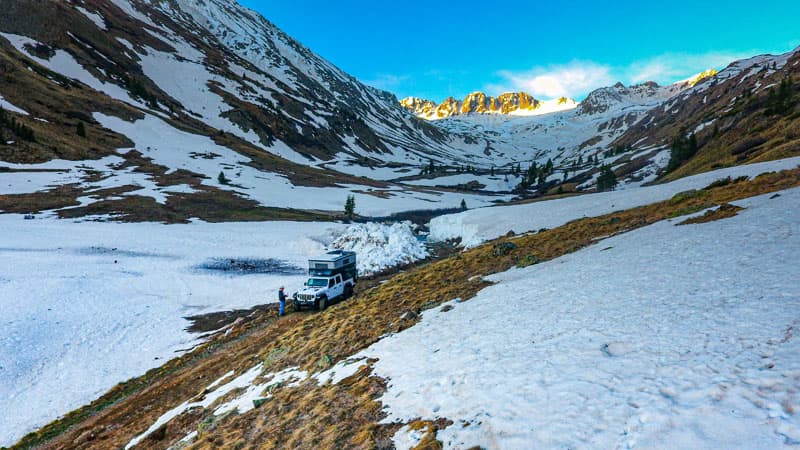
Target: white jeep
{"x": 320, "y": 292}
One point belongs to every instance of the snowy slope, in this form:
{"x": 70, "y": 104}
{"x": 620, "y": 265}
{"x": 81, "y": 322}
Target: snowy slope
{"x": 217, "y": 65}
{"x": 665, "y": 336}
{"x": 482, "y": 224}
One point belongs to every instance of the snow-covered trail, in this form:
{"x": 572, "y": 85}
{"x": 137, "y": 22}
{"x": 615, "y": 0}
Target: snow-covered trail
{"x": 482, "y": 224}
{"x": 85, "y": 305}
{"x": 667, "y": 336}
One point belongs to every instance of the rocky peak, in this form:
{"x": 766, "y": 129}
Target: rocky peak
{"x": 477, "y": 103}
{"x": 619, "y": 96}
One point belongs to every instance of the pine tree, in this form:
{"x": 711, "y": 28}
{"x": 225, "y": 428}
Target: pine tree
{"x": 607, "y": 180}
{"x": 781, "y": 101}
{"x": 350, "y": 207}
{"x": 463, "y": 204}
{"x": 81, "y": 131}
{"x": 222, "y": 178}
{"x": 683, "y": 148}
{"x": 492, "y": 171}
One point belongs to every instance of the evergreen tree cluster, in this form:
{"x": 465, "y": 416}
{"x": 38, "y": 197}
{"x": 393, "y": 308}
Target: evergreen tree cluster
{"x": 137, "y": 89}
{"x": 19, "y": 129}
{"x": 607, "y": 180}
{"x": 781, "y": 101}
{"x": 682, "y": 149}
{"x": 431, "y": 168}
{"x": 350, "y": 207}
{"x": 535, "y": 175}
{"x": 619, "y": 149}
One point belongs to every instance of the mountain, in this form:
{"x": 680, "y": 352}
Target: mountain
{"x": 618, "y": 97}
{"x": 509, "y": 103}
{"x": 739, "y": 115}
{"x": 236, "y": 95}
{"x": 157, "y": 109}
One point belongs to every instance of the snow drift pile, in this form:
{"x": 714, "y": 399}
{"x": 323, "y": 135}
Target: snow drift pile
{"x": 380, "y": 247}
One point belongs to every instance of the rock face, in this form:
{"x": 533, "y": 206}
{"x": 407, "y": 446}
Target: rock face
{"x": 509, "y": 103}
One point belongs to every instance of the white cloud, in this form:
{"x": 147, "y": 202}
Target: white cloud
{"x": 577, "y": 78}
{"x": 567, "y": 80}
{"x": 387, "y": 82}
{"x": 670, "y": 67}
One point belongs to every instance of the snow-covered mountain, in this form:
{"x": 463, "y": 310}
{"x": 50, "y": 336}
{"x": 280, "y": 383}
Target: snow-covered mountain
{"x": 171, "y": 104}
{"x": 214, "y": 90}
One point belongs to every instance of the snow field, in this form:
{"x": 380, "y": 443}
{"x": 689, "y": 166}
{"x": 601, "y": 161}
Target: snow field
{"x": 479, "y": 225}
{"x": 87, "y": 305}
{"x": 667, "y": 334}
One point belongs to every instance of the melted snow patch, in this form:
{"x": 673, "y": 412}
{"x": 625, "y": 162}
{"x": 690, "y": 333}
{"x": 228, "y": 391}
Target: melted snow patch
{"x": 94, "y": 17}
{"x": 340, "y": 371}
{"x": 5, "y": 104}
{"x": 242, "y": 381}
{"x": 245, "y": 402}
{"x": 380, "y": 247}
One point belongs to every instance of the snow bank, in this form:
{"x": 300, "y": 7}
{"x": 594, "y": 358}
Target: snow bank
{"x": 681, "y": 336}
{"x": 479, "y": 225}
{"x": 380, "y": 247}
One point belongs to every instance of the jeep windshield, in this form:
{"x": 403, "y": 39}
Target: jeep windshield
{"x": 317, "y": 282}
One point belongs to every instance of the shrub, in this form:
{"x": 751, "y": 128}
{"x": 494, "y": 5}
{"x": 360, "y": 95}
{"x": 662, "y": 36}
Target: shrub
{"x": 222, "y": 178}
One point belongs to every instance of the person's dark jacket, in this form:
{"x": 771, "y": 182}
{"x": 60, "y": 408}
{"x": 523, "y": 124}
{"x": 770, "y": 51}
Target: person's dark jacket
{"x": 281, "y": 296}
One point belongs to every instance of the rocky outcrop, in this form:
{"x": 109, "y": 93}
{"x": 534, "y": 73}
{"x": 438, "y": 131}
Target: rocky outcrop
{"x": 476, "y": 102}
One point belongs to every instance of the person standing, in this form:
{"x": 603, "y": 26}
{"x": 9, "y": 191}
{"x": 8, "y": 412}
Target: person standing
{"x": 281, "y": 301}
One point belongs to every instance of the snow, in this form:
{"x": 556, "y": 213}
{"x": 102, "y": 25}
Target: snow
{"x": 666, "y": 334}
{"x": 5, "y": 104}
{"x": 173, "y": 148}
{"x": 242, "y": 381}
{"x": 88, "y": 304}
{"x": 343, "y": 369}
{"x": 251, "y": 390}
{"x": 54, "y": 173}
{"x": 94, "y": 17}
{"x": 244, "y": 402}
{"x": 482, "y": 224}
{"x": 379, "y": 247}
{"x": 63, "y": 63}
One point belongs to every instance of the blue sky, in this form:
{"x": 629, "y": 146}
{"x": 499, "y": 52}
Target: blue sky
{"x": 439, "y": 49}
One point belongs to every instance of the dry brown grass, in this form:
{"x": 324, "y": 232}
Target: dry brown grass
{"x": 343, "y": 415}
{"x": 724, "y": 211}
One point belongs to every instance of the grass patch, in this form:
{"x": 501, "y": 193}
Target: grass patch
{"x": 724, "y": 211}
